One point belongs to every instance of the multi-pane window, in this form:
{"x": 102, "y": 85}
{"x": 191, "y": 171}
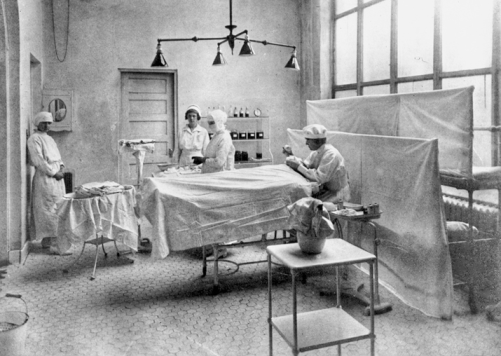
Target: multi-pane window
{"x": 403, "y": 46}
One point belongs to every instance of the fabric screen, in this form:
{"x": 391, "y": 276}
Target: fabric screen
{"x": 443, "y": 114}
{"x": 402, "y": 176}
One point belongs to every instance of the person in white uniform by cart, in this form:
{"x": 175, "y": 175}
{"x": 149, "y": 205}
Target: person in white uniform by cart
{"x": 48, "y": 184}
{"x": 193, "y": 138}
{"x": 220, "y": 153}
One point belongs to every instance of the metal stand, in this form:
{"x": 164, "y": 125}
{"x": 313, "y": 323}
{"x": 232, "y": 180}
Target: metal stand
{"x": 97, "y": 241}
{"x": 379, "y": 307}
{"x": 216, "y": 288}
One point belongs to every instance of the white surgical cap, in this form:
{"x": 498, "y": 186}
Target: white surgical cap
{"x": 42, "y": 116}
{"x": 315, "y": 131}
{"x": 194, "y": 108}
{"x": 219, "y": 118}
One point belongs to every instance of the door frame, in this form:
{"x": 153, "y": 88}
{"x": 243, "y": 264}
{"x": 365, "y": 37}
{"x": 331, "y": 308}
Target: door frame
{"x": 123, "y": 71}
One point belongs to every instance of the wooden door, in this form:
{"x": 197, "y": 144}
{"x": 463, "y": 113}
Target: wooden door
{"x": 149, "y": 111}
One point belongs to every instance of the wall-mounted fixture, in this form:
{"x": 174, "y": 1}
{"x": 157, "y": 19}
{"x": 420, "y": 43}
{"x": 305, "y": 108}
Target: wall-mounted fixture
{"x": 246, "y": 50}
{"x": 59, "y": 102}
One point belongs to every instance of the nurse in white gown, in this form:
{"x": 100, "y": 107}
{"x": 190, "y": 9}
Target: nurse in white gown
{"x": 193, "y": 138}
{"x": 48, "y": 184}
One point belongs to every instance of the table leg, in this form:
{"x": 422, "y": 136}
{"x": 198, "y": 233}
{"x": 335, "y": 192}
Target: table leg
{"x": 74, "y": 262}
{"x": 338, "y": 300}
{"x": 204, "y": 261}
{"x": 95, "y": 261}
{"x": 215, "y": 287}
{"x": 295, "y": 350}
{"x": 371, "y": 307}
{"x": 102, "y": 245}
{"x": 270, "y": 327}
{"x": 116, "y": 248}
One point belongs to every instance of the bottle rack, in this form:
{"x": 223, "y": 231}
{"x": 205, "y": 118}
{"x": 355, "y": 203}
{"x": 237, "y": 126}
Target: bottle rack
{"x": 260, "y": 127}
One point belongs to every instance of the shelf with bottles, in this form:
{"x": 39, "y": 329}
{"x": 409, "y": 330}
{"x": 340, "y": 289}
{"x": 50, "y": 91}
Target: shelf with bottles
{"x": 239, "y": 111}
{"x": 251, "y": 137}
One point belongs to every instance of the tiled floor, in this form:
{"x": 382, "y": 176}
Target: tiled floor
{"x": 163, "y": 307}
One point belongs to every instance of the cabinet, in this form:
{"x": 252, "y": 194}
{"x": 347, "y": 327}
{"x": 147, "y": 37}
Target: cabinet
{"x": 251, "y": 135}
{"x": 312, "y": 330}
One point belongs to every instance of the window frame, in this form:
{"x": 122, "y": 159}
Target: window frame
{"x": 438, "y": 73}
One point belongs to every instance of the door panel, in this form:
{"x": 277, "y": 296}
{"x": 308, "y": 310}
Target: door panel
{"x": 149, "y": 111}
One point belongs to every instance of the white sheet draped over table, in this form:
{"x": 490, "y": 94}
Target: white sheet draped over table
{"x": 109, "y": 215}
{"x": 200, "y": 209}
{"x": 402, "y": 176}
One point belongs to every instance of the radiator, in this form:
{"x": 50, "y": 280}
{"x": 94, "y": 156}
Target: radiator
{"x": 484, "y": 215}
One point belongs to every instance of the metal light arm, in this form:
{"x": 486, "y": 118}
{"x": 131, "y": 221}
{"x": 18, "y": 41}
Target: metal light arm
{"x": 231, "y": 38}
{"x": 272, "y": 44}
{"x": 194, "y": 39}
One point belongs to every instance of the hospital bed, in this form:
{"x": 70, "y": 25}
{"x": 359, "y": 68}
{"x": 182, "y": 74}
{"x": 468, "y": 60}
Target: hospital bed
{"x": 224, "y": 208}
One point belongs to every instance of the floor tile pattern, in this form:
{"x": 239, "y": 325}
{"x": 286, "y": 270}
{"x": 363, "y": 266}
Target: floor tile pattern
{"x": 164, "y": 307}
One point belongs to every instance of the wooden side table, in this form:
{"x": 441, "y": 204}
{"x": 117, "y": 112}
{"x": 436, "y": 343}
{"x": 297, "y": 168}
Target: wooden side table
{"x": 321, "y": 328}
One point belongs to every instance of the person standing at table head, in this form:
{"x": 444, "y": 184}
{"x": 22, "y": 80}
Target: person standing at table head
{"x": 220, "y": 153}
{"x": 48, "y": 184}
{"x": 193, "y": 138}
{"x": 325, "y": 165}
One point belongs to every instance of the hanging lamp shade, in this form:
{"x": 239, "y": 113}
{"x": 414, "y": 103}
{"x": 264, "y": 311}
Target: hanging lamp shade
{"x": 159, "y": 60}
{"x": 219, "y": 60}
{"x": 292, "y": 63}
{"x": 247, "y": 49}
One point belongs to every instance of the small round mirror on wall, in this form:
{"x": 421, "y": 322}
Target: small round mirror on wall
{"x": 58, "y": 109}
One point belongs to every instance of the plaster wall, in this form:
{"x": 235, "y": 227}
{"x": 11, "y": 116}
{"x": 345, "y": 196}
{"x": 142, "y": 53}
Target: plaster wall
{"x": 112, "y": 34}
{"x": 30, "y": 46}
{"x": 14, "y": 102}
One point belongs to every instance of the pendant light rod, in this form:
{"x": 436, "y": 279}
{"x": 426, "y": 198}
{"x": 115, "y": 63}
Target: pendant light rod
{"x": 231, "y": 26}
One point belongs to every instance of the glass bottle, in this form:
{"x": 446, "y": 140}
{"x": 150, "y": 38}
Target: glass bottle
{"x": 247, "y": 112}
{"x": 235, "y": 112}
{"x": 241, "y": 112}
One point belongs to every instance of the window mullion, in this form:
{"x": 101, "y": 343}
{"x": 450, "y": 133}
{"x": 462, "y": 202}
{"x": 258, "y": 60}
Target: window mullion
{"x": 437, "y": 46}
{"x": 360, "y": 38}
{"x": 495, "y": 83}
{"x": 394, "y": 47}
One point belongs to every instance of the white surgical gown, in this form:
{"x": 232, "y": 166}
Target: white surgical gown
{"x": 47, "y": 191}
{"x": 192, "y": 143}
{"x": 326, "y": 167}
{"x": 220, "y": 153}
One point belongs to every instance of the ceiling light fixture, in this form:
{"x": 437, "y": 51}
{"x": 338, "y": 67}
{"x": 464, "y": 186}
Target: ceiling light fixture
{"x": 246, "y": 50}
